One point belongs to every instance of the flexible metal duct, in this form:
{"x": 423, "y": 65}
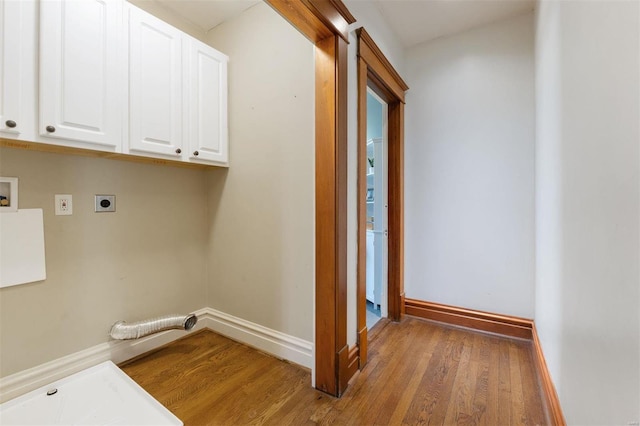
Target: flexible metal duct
{"x": 123, "y": 331}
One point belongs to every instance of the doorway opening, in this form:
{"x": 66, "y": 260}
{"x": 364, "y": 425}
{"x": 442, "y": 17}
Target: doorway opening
{"x": 376, "y": 210}
{"x": 376, "y": 76}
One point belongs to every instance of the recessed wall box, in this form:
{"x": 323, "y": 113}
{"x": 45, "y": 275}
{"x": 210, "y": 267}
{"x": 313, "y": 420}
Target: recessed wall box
{"x": 105, "y": 203}
{"x": 8, "y": 194}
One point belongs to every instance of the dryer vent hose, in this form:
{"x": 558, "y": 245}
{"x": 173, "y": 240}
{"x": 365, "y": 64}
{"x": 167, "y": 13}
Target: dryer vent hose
{"x": 123, "y": 331}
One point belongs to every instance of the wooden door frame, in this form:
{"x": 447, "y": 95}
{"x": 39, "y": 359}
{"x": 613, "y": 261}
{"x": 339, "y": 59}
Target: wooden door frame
{"x": 325, "y": 23}
{"x": 375, "y": 71}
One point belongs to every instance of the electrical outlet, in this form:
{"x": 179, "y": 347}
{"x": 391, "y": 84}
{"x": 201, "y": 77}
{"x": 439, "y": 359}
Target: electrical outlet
{"x": 64, "y": 204}
{"x": 105, "y": 203}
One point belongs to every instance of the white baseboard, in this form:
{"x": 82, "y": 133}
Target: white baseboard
{"x": 278, "y": 344}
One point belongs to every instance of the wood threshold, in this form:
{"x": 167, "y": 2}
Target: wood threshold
{"x": 546, "y": 384}
{"x": 478, "y": 320}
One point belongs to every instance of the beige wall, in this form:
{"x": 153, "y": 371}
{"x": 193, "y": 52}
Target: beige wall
{"x": 145, "y": 260}
{"x": 261, "y": 246}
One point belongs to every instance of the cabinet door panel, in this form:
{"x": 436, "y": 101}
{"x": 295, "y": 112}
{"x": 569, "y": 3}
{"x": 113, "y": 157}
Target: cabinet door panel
{"x": 10, "y": 34}
{"x": 17, "y": 44}
{"x": 207, "y": 104}
{"x": 79, "y": 71}
{"x": 155, "y": 61}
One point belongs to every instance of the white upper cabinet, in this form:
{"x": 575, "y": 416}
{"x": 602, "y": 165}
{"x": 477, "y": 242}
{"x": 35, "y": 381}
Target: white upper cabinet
{"x": 107, "y": 76}
{"x": 207, "y": 104}
{"x": 17, "y": 73}
{"x": 155, "y": 85}
{"x": 80, "y": 72}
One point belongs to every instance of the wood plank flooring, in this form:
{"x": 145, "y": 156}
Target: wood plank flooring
{"x": 419, "y": 372}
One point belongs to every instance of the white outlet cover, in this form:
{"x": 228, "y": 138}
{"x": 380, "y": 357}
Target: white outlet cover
{"x": 64, "y": 204}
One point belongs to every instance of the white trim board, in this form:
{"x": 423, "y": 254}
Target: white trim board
{"x": 278, "y": 344}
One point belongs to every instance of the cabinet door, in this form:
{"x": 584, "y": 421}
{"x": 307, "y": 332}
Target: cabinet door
{"x": 79, "y": 71}
{"x": 207, "y": 104}
{"x": 17, "y": 73}
{"x": 155, "y": 103}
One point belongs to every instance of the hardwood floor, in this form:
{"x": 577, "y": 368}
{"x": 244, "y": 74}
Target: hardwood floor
{"x": 419, "y": 372}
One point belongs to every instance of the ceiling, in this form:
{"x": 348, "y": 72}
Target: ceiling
{"x": 418, "y": 21}
{"x": 208, "y": 14}
{"x": 413, "y": 21}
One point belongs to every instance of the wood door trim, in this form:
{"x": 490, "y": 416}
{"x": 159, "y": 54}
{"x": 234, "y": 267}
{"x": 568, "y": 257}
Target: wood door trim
{"x": 396, "y": 295}
{"x": 361, "y": 271}
{"x": 363, "y": 345}
{"x": 334, "y": 15}
{"x": 316, "y": 19}
{"x": 354, "y": 361}
{"x": 325, "y": 23}
{"x": 478, "y": 320}
{"x": 375, "y": 70}
{"x": 380, "y": 65}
